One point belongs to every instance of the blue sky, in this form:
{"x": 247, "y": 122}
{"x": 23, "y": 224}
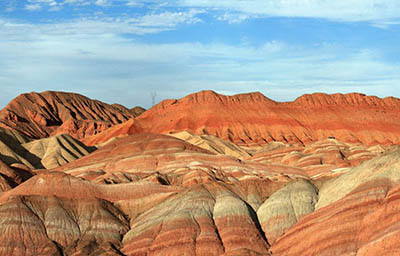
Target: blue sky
{"x": 122, "y": 50}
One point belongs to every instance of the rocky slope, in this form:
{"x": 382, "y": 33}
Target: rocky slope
{"x": 18, "y": 150}
{"x": 151, "y": 194}
{"x": 57, "y": 150}
{"x": 213, "y": 144}
{"x": 11, "y": 177}
{"x": 356, "y": 214}
{"x": 323, "y": 157}
{"x": 40, "y": 115}
{"x": 168, "y": 160}
{"x": 196, "y": 191}
{"x": 254, "y": 120}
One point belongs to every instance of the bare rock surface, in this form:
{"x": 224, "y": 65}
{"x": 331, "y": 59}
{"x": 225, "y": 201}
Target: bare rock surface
{"x": 326, "y": 157}
{"x": 57, "y": 150}
{"x": 170, "y": 161}
{"x": 47, "y": 153}
{"x": 204, "y": 175}
{"x": 285, "y": 207}
{"x": 253, "y": 120}
{"x": 40, "y": 115}
{"x": 357, "y": 217}
{"x": 54, "y": 213}
{"x": 213, "y": 144}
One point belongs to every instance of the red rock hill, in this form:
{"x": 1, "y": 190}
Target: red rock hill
{"x": 252, "y": 119}
{"x": 40, "y": 115}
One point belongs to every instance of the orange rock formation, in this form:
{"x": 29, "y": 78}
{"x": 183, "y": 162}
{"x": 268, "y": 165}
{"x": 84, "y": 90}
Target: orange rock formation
{"x": 39, "y": 115}
{"x": 204, "y": 175}
{"x": 253, "y": 120}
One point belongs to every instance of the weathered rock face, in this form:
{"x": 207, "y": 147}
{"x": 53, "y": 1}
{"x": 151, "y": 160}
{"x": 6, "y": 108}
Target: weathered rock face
{"x": 12, "y": 176}
{"x": 285, "y": 207}
{"x": 170, "y": 160}
{"x": 174, "y": 198}
{"x": 46, "y": 153}
{"x": 203, "y": 220}
{"x": 54, "y": 213}
{"x": 326, "y": 157}
{"x": 384, "y": 167}
{"x": 11, "y": 150}
{"x": 7, "y": 177}
{"x": 356, "y": 214}
{"x": 39, "y": 115}
{"x": 252, "y": 119}
{"x": 213, "y": 144}
{"x": 57, "y": 150}
{"x": 192, "y": 193}
{"x": 137, "y": 111}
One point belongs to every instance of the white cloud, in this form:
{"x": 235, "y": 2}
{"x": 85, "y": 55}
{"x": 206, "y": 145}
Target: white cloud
{"x": 381, "y": 13}
{"x": 55, "y": 8}
{"x": 342, "y": 10}
{"x": 102, "y": 3}
{"x": 234, "y": 17}
{"x": 76, "y": 2}
{"x": 33, "y": 7}
{"x": 47, "y": 2}
{"x": 73, "y": 1}
{"x": 147, "y": 24}
{"x": 88, "y": 56}
{"x": 385, "y": 24}
{"x": 133, "y": 3}
{"x": 167, "y": 19}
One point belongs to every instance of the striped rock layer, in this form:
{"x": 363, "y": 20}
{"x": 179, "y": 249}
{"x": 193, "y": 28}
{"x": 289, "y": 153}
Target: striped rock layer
{"x": 169, "y": 160}
{"x": 48, "y": 153}
{"x": 40, "y": 115}
{"x": 57, "y": 214}
{"x": 253, "y": 120}
{"x": 198, "y": 192}
{"x": 326, "y": 157}
{"x": 357, "y": 214}
{"x": 152, "y": 194}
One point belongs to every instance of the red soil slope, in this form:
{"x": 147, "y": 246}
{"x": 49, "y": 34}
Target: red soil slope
{"x": 364, "y": 220}
{"x": 153, "y": 194}
{"x": 252, "y": 119}
{"x": 168, "y": 160}
{"x": 39, "y": 115}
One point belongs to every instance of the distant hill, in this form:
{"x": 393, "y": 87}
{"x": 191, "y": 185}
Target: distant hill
{"x": 254, "y": 120}
{"x": 40, "y": 115}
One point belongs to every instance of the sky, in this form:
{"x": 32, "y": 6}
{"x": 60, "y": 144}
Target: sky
{"x": 123, "y": 51}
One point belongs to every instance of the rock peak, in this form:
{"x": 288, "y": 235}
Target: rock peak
{"x": 251, "y": 119}
{"x": 355, "y": 99}
{"x": 40, "y": 115}
{"x": 212, "y": 96}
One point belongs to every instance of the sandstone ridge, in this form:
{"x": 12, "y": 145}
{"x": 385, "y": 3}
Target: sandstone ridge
{"x": 207, "y": 174}
{"x": 39, "y": 115}
{"x": 254, "y": 120}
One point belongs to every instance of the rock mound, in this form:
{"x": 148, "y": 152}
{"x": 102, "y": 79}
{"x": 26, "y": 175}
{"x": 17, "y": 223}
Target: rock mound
{"x": 56, "y": 214}
{"x": 286, "y": 207}
{"x": 213, "y": 144}
{"x": 39, "y": 115}
{"x": 356, "y": 214}
{"x": 254, "y": 120}
{"x": 57, "y": 150}
{"x": 169, "y": 160}
{"x": 46, "y": 153}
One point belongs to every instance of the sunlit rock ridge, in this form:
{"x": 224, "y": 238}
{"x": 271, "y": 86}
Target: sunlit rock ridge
{"x": 206, "y": 174}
